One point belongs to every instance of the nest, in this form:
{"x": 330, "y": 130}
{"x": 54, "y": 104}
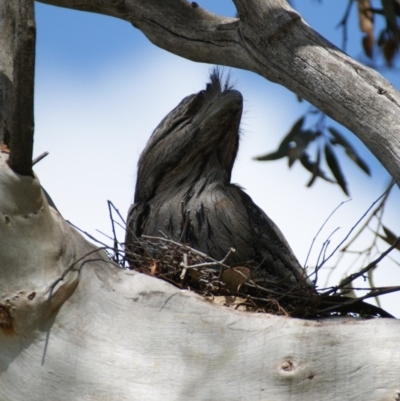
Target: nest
{"x": 244, "y": 287}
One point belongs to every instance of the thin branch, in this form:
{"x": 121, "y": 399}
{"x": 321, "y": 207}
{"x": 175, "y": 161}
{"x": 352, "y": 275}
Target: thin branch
{"x": 214, "y": 263}
{"x": 118, "y": 212}
{"x": 383, "y": 198}
{"x": 354, "y": 276}
{"x": 377, "y": 212}
{"x": 320, "y": 229}
{"x": 115, "y": 241}
{"x": 88, "y": 235}
{"x": 177, "y": 244}
{"x": 185, "y": 266}
{"x": 371, "y": 294}
{"x": 343, "y": 24}
{"x": 353, "y": 228}
{"x": 39, "y": 158}
{"x": 70, "y": 268}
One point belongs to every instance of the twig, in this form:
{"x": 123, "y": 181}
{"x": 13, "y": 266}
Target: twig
{"x": 320, "y": 229}
{"x": 178, "y": 244}
{"x": 195, "y": 251}
{"x": 269, "y": 291}
{"x": 371, "y": 294}
{"x": 222, "y": 263}
{"x": 105, "y": 235}
{"x": 354, "y": 276}
{"x": 185, "y": 266}
{"x": 115, "y": 241}
{"x": 377, "y": 212}
{"x": 87, "y": 234}
{"x": 117, "y": 211}
{"x": 69, "y": 268}
{"x": 353, "y": 228}
{"x": 39, "y": 158}
{"x": 343, "y": 23}
{"x": 383, "y": 198}
{"x": 381, "y": 290}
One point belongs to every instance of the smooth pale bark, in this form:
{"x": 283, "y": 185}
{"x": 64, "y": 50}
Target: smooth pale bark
{"x": 271, "y": 39}
{"x": 111, "y": 334}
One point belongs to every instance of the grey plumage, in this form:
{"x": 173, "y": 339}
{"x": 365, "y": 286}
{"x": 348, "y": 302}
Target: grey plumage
{"x": 183, "y": 188}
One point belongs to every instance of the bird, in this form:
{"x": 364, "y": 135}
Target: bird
{"x": 184, "y": 189}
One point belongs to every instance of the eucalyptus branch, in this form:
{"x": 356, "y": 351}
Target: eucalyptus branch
{"x": 272, "y": 40}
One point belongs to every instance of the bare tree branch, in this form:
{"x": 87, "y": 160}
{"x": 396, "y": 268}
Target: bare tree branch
{"x": 7, "y": 22}
{"x": 272, "y": 40}
{"x": 21, "y": 144}
{"x": 17, "y": 74}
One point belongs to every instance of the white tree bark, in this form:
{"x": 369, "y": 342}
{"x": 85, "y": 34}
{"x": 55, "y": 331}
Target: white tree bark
{"x": 73, "y": 326}
{"x": 109, "y": 334}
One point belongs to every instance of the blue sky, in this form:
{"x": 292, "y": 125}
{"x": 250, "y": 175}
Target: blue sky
{"x": 102, "y": 87}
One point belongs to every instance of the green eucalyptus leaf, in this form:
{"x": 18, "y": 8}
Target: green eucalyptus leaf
{"x": 390, "y": 237}
{"x": 390, "y": 14}
{"x": 284, "y": 148}
{"x": 294, "y": 131}
{"x": 278, "y": 154}
{"x": 334, "y": 166}
{"x": 339, "y": 139}
{"x": 360, "y": 162}
{"x": 313, "y": 167}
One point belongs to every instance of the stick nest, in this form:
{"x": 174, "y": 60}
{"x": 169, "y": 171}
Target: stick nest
{"x": 243, "y": 287}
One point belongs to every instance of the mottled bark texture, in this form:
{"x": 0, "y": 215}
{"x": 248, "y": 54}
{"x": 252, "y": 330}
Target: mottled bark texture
{"x": 183, "y": 188}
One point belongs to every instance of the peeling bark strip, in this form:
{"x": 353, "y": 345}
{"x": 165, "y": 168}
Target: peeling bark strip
{"x": 183, "y": 189}
{"x": 17, "y": 42}
{"x": 271, "y": 40}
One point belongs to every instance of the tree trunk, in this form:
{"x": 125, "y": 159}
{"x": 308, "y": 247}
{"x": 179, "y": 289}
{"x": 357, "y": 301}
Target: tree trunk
{"x": 73, "y": 326}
